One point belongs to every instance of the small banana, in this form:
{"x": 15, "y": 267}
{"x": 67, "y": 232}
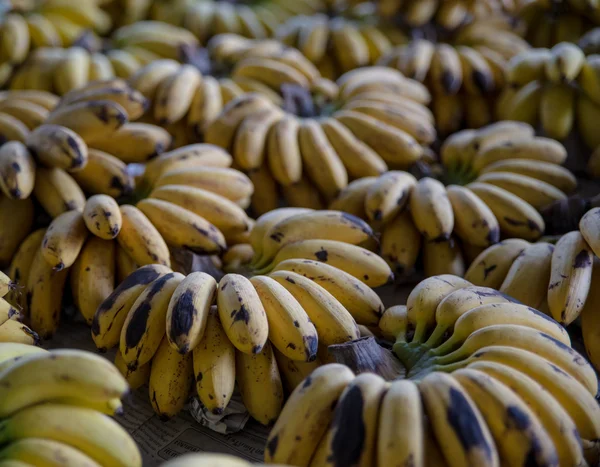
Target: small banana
{"x": 431, "y": 210}
{"x": 474, "y": 220}
{"x": 102, "y": 216}
{"x": 401, "y": 244}
{"x": 104, "y": 174}
{"x": 64, "y": 239}
{"x": 17, "y": 170}
{"x": 58, "y": 146}
{"x": 388, "y": 196}
{"x": 57, "y": 191}
{"x": 557, "y": 110}
{"x": 565, "y": 63}
{"x": 174, "y": 94}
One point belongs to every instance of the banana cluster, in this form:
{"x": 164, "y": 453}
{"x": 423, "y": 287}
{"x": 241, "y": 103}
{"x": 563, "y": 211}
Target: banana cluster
{"x": 464, "y": 74}
{"x": 12, "y": 328}
{"x": 52, "y": 23}
{"x": 337, "y": 45}
{"x": 546, "y": 24}
{"x": 479, "y": 367}
{"x": 379, "y": 119}
{"x": 260, "y": 333}
{"x": 556, "y": 89}
{"x": 55, "y": 409}
{"x": 188, "y": 97}
{"x": 206, "y": 19}
{"x": 491, "y": 183}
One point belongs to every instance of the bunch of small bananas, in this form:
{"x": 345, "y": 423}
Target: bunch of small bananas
{"x": 254, "y": 20}
{"x": 337, "y": 45}
{"x": 55, "y": 409}
{"x": 51, "y": 23}
{"x": 546, "y": 23}
{"x": 186, "y": 98}
{"x": 498, "y": 178}
{"x": 245, "y": 330}
{"x": 488, "y": 381}
{"x": 464, "y": 74}
{"x": 12, "y": 328}
{"x": 556, "y": 88}
{"x": 378, "y": 119}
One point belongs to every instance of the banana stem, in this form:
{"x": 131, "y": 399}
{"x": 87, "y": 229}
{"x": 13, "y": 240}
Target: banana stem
{"x": 436, "y": 337}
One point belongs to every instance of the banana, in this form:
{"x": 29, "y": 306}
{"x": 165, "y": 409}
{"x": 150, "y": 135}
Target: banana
{"x": 369, "y": 389}
{"x": 214, "y": 365}
{"x": 124, "y": 264}
{"x": 140, "y": 239}
{"x": 147, "y": 79}
{"x": 16, "y": 332}
{"x": 590, "y": 230}
{"x": 515, "y": 216}
{"x": 431, "y": 210}
{"x": 224, "y": 214}
{"x": 8, "y": 312}
{"x": 102, "y": 216}
{"x": 352, "y": 198}
{"x": 135, "y": 378}
{"x": 57, "y": 191}
{"x": 388, "y": 196}
{"x": 260, "y": 384}
{"x": 290, "y": 329}
{"x": 323, "y": 225}
{"x": 550, "y": 413}
{"x": 188, "y": 311}
{"x": 477, "y": 75}
{"x": 19, "y": 268}
{"x": 117, "y": 91}
{"x": 415, "y": 59}
{"x": 42, "y": 98}
{"x": 229, "y": 183}
{"x": 37, "y": 451}
{"x": 265, "y": 196}
{"x": 491, "y": 267}
{"x": 474, "y": 220}
{"x": 588, "y": 77}
{"x": 450, "y": 410}
{"x": 333, "y": 322}
{"x": 171, "y": 378}
{"x": 69, "y": 373}
{"x": 362, "y": 302}
{"x": 400, "y": 433}
{"x": 564, "y": 64}
{"x": 247, "y": 327}
{"x": 401, "y": 244}
{"x": 174, "y": 94}
{"x": 144, "y": 327}
{"x": 587, "y": 110}
{"x": 446, "y": 72}
{"x": 589, "y": 316}
{"x": 104, "y": 174}
{"x": 570, "y": 278}
{"x": 183, "y": 228}
{"x": 552, "y": 174}
{"x": 272, "y": 73}
{"x": 100, "y": 68}
{"x": 44, "y": 295}
{"x": 12, "y": 351}
{"x": 443, "y": 257}
{"x": 58, "y": 146}
{"x": 111, "y": 313}
{"x": 393, "y": 324}
{"x": 348, "y": 45}
{"x": 312, "y": 402}
{"x": 517, "y": 431}
{"x": 206, "y": 106}
{"x": 527, "y": 66}
{"x": 394, "y": 146}
{"x": 16, "y": 219}
{"x": 354, "y": 260}
{"x": 536, "y": 149}
{"x": 31, "y": 114}
{"x": 250, "y": 141}
{"x": 17, "y": 170}
{"x": 87, "y": 430}
{"x": 64, "y": 239}
{"x": 15, "y": 42}
{"x": 557, "y": 110}
{"x": 91, "y": 120}
{"x": 72, "y": 71}
{"x": 302, "y": 194}
{"x": 571, "y": 394}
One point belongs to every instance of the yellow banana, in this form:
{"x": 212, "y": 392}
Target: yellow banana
{"x": 431, "y": 210}
{"x": 64, "y": 239}
{"x": 57, "y": 191}
{"x": 104, "y": 174}
{"x": 58, "y": 146}
{"x": 565, "y": 63}
{"x": 102, "y": 216}
{"x": 17, "y": 170}
{"x": 401, "y": 244}
{"x": 174, "y": 94}
{"x": 557, "y": 110}
{"x": 387, "y": 196}
{"x": 19, "y": 269}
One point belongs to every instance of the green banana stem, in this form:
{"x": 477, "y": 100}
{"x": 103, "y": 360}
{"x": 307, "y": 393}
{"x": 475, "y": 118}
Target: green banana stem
{"x": 436, "y": 337}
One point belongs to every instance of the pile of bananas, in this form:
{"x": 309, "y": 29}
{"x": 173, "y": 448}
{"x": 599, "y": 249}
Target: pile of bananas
{"x": 464, "y": 74}
{"x": 488, "y": 381}
{"x": 557, "y": 89}
{"x": 55, "y": 409}
{"x": 497, "y": 179}
{"x": 12, "y": 328}
{"x": 549, "y": 23}
{"x": 246, "y": 330}
{"x": 379, "y": 119}
{"x": 188, "y": 97}
{"x": 51, "y": 23}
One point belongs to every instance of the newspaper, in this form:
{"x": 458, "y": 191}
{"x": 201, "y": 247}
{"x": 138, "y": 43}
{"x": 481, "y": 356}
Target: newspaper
{"x": 194, "y": 430}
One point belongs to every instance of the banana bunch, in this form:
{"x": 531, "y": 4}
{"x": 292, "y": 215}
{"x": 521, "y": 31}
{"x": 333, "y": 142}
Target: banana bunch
{"x": 187, "y": 98}
{"x": 447, "y": 15}
{"x": 546, "y": 24}
{"x": 491, "y": 183}
{"x": 310, "y": 150}
{"x": 261, "y": 332}
{"x": 12, "y": 328}
{"x": 464, "y": 74}
{"x": 489, "y": 381}
{"x": 206, "y": 19}
{"x": 338, "y": 45}
{"x": 51, "y": 23}
{"x": 55, "y": 409}
{"x": 555, "y": 88}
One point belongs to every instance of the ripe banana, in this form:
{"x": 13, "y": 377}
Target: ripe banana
{"x": 104, "y": 174}
{"x": 491, "y": 267}
{"x": 590, "y": 229}
{"x": 57, "y": 146}
{"x": 102, "y": 216}
{"x": 64, "y": 239}
{"x": 19, "y": 269}
{"x": 388, "y": 196}
{"x": 57, "y": 191}
{"x": 135, "y": 142}
{"x": 17, "y": 170}
{"x": 37, "y": 451}
{"x": 431, "y": 210}
{"x": 474, "y": 220}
